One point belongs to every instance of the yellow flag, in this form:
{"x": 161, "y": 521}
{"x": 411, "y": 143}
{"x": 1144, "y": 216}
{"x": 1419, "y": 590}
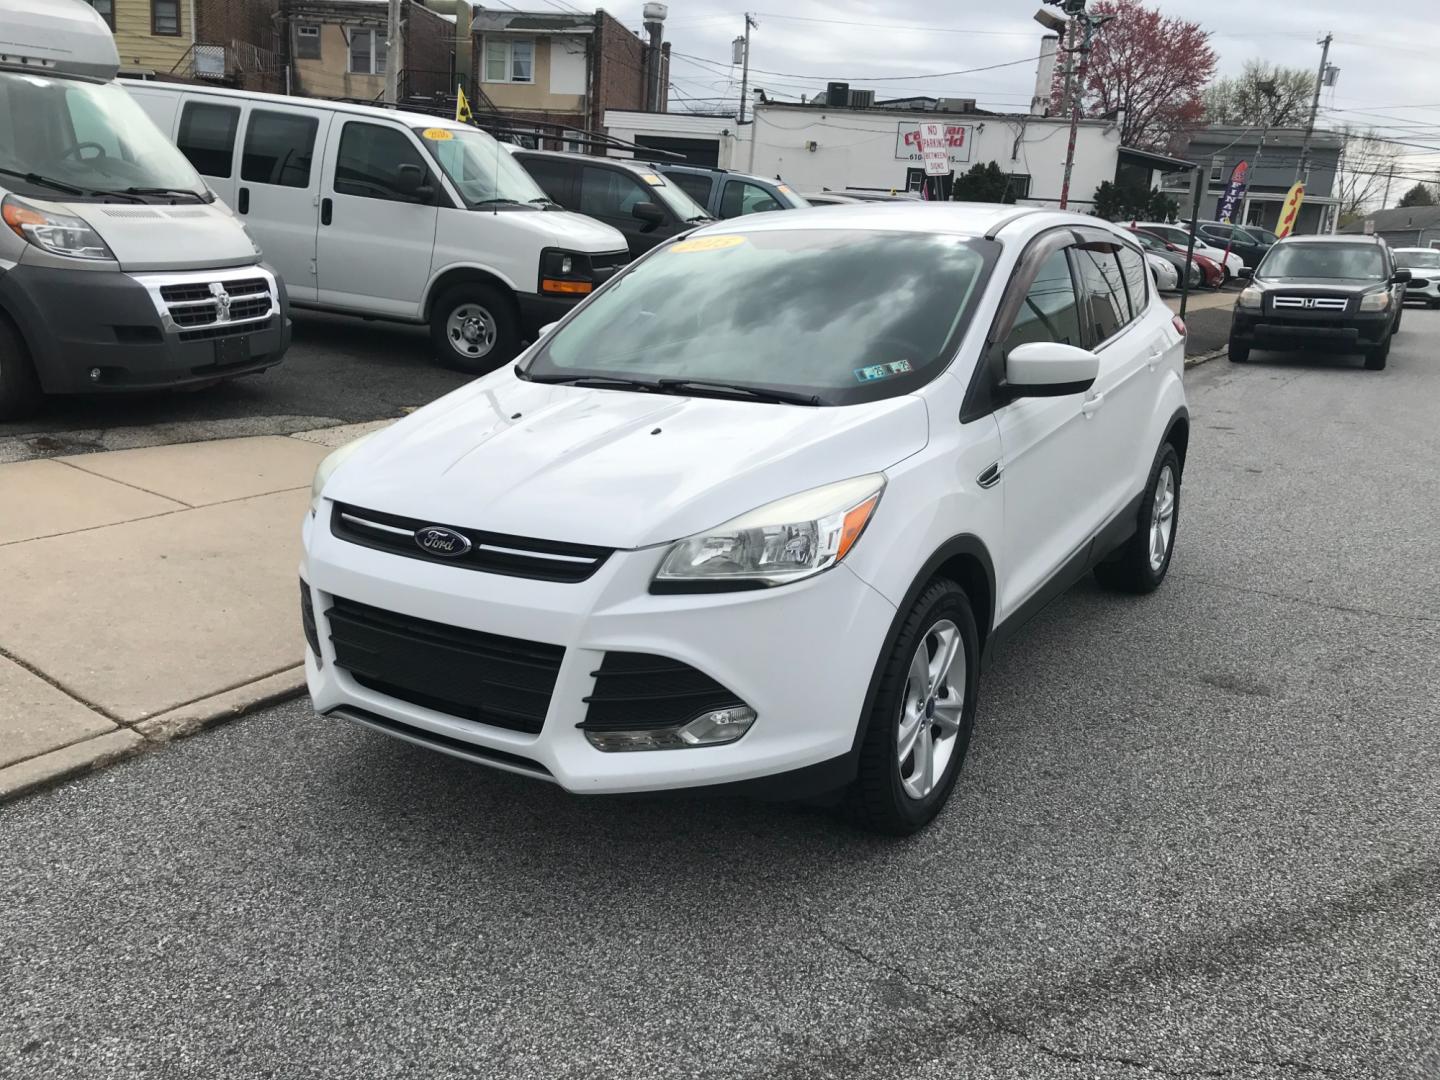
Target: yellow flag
{"x": 462, "y": 107}
{"x": 1290, "y": 211}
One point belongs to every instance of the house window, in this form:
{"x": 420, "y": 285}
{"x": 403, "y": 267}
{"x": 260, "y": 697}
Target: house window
{"x": 165, "y": 18}
{"x": 367, "y": 52}
{"x": 1019, "y": 185}
{"x": 1217, "y": 169}
{"x": 307, "y": 42}
{"x": 106, "y": 8}
{"x": 509, "y": 61}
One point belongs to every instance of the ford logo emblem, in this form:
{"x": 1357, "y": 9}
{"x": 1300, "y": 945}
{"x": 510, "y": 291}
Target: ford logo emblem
{"x": 438, "y": 540}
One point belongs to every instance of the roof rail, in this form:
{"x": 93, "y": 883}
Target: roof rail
{"x": 1020, "y": 211}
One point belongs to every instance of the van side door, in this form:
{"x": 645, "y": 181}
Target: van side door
{"x": 378, "y": 213}
{"x": 278, "y": 194}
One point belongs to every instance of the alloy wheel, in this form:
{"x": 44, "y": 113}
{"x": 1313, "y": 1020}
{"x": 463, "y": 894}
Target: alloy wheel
{"x": 1162, "y": 518}
{"x": 930, "y": 710}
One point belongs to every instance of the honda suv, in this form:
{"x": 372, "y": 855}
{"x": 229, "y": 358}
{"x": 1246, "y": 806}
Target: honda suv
{"x": 759, "y": 511}
{"x": 1338, "y": 294}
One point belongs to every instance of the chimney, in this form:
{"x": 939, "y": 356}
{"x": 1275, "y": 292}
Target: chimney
{"x": 654, "y": 16}
{"x": 1044, "y": 76}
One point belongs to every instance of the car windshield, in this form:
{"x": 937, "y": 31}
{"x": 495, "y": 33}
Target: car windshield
{"x": 842, "y": 314}
{"x": 83, "y": 139}
{"x": 1418, "y": 260}
{"x": 790, "y": 198}
{"x": 481, "y": 171}
{"x": 686, "y": 208}
{"x": 1351, "y": 262}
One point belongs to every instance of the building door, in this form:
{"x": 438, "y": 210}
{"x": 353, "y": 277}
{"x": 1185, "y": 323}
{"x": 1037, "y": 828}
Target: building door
{"x": 696, "y": 151}
{"x": 915, "y": 181}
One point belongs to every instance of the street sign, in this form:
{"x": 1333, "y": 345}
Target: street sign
{"x": 1290, "y": 211}
{"x": 1233, "y": 191}
{"x": 935, "y": 149}
{"x": 1369, "y": 226}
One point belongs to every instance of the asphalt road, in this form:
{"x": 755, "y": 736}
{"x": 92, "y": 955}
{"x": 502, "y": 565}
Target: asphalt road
{"x": 1198, "y": 835}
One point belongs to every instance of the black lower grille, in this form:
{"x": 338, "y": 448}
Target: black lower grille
{"x": 307, "y": 621}
{"x": 495, "y": 553}
{"x": 637, "y": 691}
{"x": 488, "y": 679}
{"x": 225, "y": 330}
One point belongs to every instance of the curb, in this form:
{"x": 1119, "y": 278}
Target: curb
{"x": 48, "y": 769}
{"x": 1195, "y": 361}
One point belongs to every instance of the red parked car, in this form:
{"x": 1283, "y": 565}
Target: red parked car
{"x": 1213, "y": 273}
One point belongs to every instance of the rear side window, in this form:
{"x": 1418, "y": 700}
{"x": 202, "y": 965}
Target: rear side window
{"x": 207, "y": 137}
{"x": 610, "y": 193}
{"x": 1132, "y": 269}
{"x": 1101, "y": 277}
{"x": 369, "y": 163}
{"x": 278, "y": 149}
{"x": 1051, "y": 311}
{"x": 697, "y": 187}
{"x": 555, "y": 177}
{"x": 742, "y": 198}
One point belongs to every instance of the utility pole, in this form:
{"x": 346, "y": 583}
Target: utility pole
{"x": 394, "y": 54}
{"x": 745, "y": 70}
{"x": 1302, "y": 169}
{"x": 1389, "y": 179}
{"x": 1092, "y": 23}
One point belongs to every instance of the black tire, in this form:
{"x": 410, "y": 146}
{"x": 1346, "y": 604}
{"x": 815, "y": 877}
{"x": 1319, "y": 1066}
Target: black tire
{"x": 1130, "y": 568}
{"x": 1238, "y": 353}
{"x": 496, "y": 323}
{"x": 877, "y": 798}
{"x": 20, "y": 393}
{"x": 1432, "y": 304}
{"x": 1398, "y": 316}
{"x": 1378, "y": 357}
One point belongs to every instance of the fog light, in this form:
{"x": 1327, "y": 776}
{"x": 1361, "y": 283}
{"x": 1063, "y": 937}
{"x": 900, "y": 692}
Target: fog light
{"x": 714, "y": 728}
{"x": 94, "y": 374}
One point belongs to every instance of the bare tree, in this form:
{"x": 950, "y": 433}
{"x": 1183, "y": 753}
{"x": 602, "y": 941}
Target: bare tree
{"x": 1263, "y": 95}
{"x": 1367, "y": 166}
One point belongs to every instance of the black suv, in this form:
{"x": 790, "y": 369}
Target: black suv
{"x": 631, "y": 197}
{"x": 1338, "y": 294}
{"x": 1250, "y": 246}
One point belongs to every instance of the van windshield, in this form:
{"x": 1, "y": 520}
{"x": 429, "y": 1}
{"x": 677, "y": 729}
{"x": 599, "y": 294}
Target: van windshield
{"x": 83, "y": 140}
{"x": 838, "y": 315}
{"x": 483, "y": 173}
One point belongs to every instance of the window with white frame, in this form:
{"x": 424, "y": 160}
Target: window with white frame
{"x": 509, "y": 61}
{"x": 367, "y": 52}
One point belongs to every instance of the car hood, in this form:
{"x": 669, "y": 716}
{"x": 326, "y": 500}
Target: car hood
{"x": 150, "y": 236}
{"x": 563, "y": 229}
{"x": 1309, "y": 286}
{"x": 613, "y": 468}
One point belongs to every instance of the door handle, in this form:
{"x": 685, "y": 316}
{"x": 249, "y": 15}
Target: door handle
{"x": 1156, "y": 352}
{"x": 327, "y": 209}
{"x": 1092, "y": 405}
{"x": 243, "y": 202}
{"x": 990, "y": 477}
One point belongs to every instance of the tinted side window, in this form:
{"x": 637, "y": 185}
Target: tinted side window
{"x": 697, "y": 187}
{"x": 555, "y": 177}
{"x": 278, "y": 149}
{"x": 1101, "y": 277}
{"x": 1132, "y": 268}
{"x": 744, "y": 198}
{"x": 370, "y": 161}
{"x": 610, "y": 193}
{"x": 207, "y": 137}
{"x": 1051, "y": 311}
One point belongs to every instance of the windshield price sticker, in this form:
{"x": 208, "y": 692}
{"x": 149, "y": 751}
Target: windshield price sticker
{"x": 881, "y": 371}
{"x": 437, "y": 134}
{"x": 653, "y": 180}
{"x": 709, "y": 243}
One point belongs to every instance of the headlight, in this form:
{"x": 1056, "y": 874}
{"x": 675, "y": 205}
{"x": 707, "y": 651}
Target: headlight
{"x": 61, "y": 234}
{"x": 1251, "y": 299}
{"x": 783, "y": 541}
{"x": 327, "y": 467}
{"x": 1375, "y": 301}
{"x": 566, "y": 273}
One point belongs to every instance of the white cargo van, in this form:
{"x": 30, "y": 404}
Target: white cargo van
{"x": 394, "y": 215}
{"x": 119, "y": 270}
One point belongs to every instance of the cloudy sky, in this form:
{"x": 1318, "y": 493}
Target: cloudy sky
{"x": 1388, "y": 78}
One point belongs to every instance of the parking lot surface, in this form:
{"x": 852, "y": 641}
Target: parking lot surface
{"x": 1198, "y": 835}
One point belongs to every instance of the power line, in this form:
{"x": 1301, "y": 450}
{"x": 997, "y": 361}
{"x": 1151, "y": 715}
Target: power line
{"x": 895, "y": 26}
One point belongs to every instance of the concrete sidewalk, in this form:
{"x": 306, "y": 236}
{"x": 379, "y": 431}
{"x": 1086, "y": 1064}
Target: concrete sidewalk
{"x": 145, "y": 593}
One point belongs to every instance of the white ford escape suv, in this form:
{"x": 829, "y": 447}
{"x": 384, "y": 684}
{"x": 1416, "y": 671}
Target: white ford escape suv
{"x": 759, "y": 511}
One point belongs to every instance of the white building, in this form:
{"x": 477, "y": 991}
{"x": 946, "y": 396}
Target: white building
{"x": 814, "y": 147}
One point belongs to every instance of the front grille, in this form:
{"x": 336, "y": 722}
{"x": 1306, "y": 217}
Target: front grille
{"x": 195, "y": 304}
{"x": 485, "y": 678}
{"x": 494, "y": 553}
{"x": 637, "y": 691}
{"x": 226, "y": 330}
{"x": 200, "y": 290}
{"x": 1315, "y": 303}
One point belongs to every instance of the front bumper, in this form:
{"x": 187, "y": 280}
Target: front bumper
{"x": 538, "y": 311}
{"x": 1323, "y": 331}
{"x": 78, "y": 321}
{"x": 1428, "y": 290}
{"x": 801, "y": 656}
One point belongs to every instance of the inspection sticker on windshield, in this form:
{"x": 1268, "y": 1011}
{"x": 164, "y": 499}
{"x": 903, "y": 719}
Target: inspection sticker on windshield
{"x": 709, "y": 243}
{"x": 438, "y": 134}
{"x": 881, "y": 371}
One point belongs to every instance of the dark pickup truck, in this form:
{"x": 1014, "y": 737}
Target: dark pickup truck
{"x": 1327, "y": 293}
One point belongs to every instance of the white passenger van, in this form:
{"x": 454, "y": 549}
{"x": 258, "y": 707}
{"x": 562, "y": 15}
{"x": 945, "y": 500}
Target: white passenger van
{"x": 119, "y": 270}
{"x": 395, "y": 215}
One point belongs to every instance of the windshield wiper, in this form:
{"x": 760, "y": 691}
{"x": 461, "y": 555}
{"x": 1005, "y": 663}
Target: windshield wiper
{"x": 161, "y": 191}
{"x": 699, "y": 217}
{"x": 499, "y": 202}
{"x": 750, "y": 393}
{"x": 547, "y": 203}
{"x": 44, "y": 181}
{"x": 600, "y": 382}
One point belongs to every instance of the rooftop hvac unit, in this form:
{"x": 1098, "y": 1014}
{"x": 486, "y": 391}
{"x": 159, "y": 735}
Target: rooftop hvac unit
{"x": 837, "y": 95}
{"x": 862, "y": 99}
{"x": 955, "y": 105}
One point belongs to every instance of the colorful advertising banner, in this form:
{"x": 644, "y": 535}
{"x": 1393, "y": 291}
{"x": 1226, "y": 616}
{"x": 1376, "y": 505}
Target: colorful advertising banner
{"x": 1233, "y": 192}
{"x": 1290, "y": 211}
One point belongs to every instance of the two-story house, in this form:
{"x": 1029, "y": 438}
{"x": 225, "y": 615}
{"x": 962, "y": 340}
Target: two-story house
{"x": 340, "y": 48}
{"x": 229, "y": 41}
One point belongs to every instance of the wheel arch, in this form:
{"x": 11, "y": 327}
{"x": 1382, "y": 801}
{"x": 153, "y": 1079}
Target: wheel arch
{"x": 461, "y": 275}
{"x": 1177, "y": 434}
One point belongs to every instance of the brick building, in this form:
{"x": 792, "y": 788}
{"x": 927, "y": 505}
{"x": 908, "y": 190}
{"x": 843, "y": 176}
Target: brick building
{"x": 338, "y": 48}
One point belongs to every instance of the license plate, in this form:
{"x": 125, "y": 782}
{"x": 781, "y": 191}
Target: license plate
{"x": 232, "y": 350}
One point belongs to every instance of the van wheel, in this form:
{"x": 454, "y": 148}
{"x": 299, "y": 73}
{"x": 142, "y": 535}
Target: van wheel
{"x": 20, "y": 393}
{"x": 919, "y": 729}
{"x": 1140, "y": 564}
{"x": 475, "y": 328}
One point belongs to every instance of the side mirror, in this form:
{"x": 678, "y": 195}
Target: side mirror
{"x": 648, "y": 212}
{"x": 1247, "y": 271}
{"x": 1050, "y": 369}
{"x": 409, "y": 177}
{"x": 1402, "y": 276}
